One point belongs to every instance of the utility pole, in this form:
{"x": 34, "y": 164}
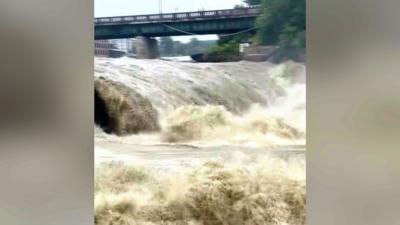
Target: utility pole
{"x": 160, "y": 6}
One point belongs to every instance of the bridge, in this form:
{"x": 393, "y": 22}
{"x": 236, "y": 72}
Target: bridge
{"x": 146, "y": 27}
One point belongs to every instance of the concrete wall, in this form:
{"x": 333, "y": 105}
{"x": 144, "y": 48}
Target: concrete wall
{"x": 273, "y": 54}
{"x": 146, "y": 48}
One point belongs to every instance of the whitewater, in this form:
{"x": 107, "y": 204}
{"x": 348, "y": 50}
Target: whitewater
{"x": 230, "y": 149}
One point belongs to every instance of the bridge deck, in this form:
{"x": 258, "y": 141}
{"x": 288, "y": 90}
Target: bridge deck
{"x": 173, "y": 24}
{"x": 181, "y": 16}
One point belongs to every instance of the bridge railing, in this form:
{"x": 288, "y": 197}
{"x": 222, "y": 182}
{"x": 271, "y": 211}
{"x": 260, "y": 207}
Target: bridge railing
{"x": 251, "y": 11}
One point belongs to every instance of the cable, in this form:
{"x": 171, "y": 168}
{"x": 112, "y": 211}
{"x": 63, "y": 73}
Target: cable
{"x": 243, "y": 31}
{"x": 176, "y": 29}
{"x": 222, "y": 35}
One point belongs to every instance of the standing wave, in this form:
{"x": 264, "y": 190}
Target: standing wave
{"x": 271, "y": 191}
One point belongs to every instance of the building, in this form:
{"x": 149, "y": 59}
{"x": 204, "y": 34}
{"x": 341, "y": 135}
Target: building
{"x": 103, "y": 48}
{"x": 115, "y": 48}
{"x": 124, "y": 45}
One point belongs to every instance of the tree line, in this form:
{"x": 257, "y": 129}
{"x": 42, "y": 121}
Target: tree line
{"x": 169, "y": 47}
{"x": 282, "y": 23}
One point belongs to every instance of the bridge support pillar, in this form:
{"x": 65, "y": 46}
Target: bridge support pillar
{"x": 146, "y": 48}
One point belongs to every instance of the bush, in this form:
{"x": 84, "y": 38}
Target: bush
{"x": 231, "y": 47}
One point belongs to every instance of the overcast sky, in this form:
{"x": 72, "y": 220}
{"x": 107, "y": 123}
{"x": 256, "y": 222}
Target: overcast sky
{"x": 105, "y": 8}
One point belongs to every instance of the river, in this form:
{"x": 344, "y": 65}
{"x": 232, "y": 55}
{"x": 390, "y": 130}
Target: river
{"x": 247, "y": 116}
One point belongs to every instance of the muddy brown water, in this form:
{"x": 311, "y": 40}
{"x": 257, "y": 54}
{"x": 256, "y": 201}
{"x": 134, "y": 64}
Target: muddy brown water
{"x": 175, "y": 157}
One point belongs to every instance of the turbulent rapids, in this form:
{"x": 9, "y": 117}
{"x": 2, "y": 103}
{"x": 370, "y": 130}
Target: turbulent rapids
{"x": 267, "y": 192}
{"x": 195, "y": 99}
{"x": 183, "y": 143}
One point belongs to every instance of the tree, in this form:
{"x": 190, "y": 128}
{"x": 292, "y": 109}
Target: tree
{"x": 179, "y": 48}
{"x": 194, "y": 42}
{"x": 282, "y": 22}
{"x": 194, "y": 46}
{"x": 252, "y": 2}
{"x": 239, "y": 6}
{"x": 167, "y": 46}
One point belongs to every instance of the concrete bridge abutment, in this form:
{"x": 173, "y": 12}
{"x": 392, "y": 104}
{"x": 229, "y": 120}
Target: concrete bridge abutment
{"x": 146, "y": 48}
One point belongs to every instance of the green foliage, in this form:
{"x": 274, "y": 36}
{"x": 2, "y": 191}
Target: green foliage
{"x": 239, "y": 6}
{"x": 252, "y": 2}
{"x": 283, "y": 22}
{"x": 227, "y": 47}
{"x": 239, "y": 38}
{"x": 168, "y": 47}
{"x": 231, "y": 44}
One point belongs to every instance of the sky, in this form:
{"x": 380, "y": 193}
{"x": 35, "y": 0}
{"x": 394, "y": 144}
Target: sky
{"x": 104, "y": 8}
